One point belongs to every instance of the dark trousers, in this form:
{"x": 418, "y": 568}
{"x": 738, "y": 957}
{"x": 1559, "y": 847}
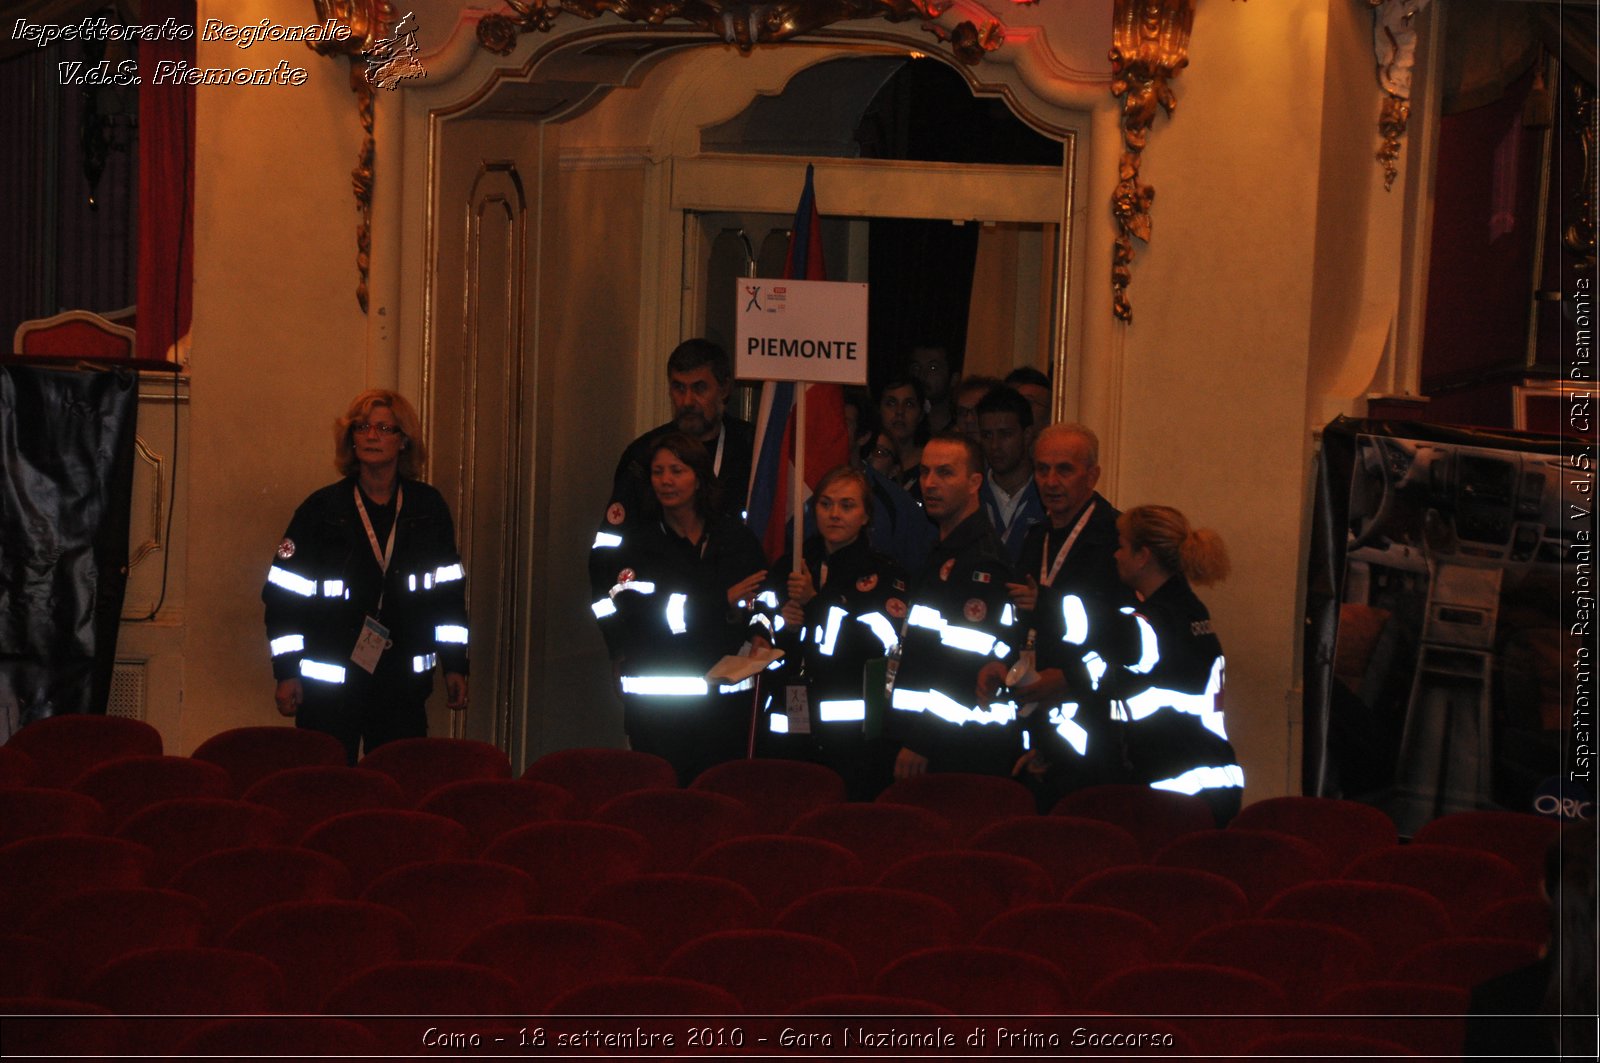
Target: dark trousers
{"x": 365, "y": 711}
{"x": 690, "y": 733}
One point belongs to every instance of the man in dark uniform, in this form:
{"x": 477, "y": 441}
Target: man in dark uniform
{"x": 957, "y": 617}
{"x": 699, "y": 379}
{"x": 1068, "y": 598}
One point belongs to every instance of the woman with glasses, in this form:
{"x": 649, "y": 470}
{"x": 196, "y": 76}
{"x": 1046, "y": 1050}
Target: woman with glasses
{"x": 367, "y": 595}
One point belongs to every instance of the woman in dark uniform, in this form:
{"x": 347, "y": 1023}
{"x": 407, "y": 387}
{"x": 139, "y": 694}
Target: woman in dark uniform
{"x": 843, "y": 609}
{"x": 1171, "y": 694}
{"x": 685, "y": 573}
{"x": 367, "y": 593}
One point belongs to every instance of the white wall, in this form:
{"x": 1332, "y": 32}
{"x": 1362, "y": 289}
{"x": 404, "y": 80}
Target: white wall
{"x": 278, "y": 346}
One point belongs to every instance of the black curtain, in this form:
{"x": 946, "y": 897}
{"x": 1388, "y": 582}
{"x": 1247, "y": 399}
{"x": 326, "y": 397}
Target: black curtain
{"x": 66, "y": 483}
{"x": 921, "y": 274}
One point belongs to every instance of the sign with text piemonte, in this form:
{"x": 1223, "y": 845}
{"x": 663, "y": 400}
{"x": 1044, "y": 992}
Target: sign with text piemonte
{"x": 815, "y": 331}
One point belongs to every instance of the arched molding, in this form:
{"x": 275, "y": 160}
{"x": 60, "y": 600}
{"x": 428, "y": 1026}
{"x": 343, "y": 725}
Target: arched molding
{"x": 1047, "y": 86}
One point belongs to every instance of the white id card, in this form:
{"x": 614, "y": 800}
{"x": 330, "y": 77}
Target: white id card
{"x": 797, "y": 706}
{"x": 371, "y": 643}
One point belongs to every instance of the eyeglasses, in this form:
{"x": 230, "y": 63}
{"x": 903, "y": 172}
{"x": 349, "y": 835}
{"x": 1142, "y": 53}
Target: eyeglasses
{"x": 374, "y": 426}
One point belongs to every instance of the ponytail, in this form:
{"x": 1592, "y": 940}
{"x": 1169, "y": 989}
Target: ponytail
{"x": 1198, "y": 553}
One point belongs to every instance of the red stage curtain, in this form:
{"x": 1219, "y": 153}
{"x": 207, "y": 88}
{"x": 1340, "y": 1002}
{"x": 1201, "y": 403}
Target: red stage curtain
{"x": 166, "y": 187}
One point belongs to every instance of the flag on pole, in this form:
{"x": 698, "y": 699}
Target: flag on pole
{"x": 772, "y": 471}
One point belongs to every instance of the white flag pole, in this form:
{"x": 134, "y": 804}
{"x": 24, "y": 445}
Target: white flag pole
{"x": 799, "y": 470}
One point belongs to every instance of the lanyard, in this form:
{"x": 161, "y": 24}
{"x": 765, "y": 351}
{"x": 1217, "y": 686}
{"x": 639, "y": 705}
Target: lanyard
{"x": 384, "y": 556}
{"x": 722, "y": 441}
{"x": 1000, "y": 508}
{"x": 1046, "y": 578}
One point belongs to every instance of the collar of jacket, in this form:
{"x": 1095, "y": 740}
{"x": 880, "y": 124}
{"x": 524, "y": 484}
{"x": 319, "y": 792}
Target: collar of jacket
{"x": 847, "y": 562}
{"x": 969, "y": 532}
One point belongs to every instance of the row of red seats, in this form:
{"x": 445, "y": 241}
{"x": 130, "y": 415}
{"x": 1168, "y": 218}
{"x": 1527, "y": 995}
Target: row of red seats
{"x": 1212, "y": 1011}
{"x": 434, "y": 911}
{"x": 70, "y": 884}
{"x": 849, "y": 844}
{"x": 356, "y": 957}
{"x": 74, "y": 751}
{"x": 837, "y": 845}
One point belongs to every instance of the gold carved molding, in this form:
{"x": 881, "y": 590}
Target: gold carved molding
{"x": 742, "y": 23}
{"x": 1150, "y": 45}
{"x": 366, "y": 22}
{"x": 1394, "y": 46}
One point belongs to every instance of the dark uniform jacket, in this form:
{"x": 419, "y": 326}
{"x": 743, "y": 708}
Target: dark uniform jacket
{"x": 1088, "y": 575}
{"x": 957, "y": 621}
{"x": 1171, "y": 696}
{"x": 325, "y": 581}
{"x": 632, "y": 498}
{"x": 855, "y": 617}
{"x": 666, "y": 613}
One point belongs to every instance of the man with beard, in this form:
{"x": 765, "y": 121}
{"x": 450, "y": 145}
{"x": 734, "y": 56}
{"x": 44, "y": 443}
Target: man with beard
{"x": 699, "y": 379}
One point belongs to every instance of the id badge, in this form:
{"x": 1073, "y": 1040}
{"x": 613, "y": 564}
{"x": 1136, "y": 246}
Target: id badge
{"x": 797, "y": 706}
{"x": 371, "y": 643}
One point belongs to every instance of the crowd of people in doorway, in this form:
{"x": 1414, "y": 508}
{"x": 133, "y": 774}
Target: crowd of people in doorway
{"x": 965, "y": 599}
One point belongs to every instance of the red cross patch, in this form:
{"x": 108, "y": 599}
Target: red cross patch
{"x": 947, "y": 568}
{"x": 866, "y": 583}
{"x": 286, "y": 550}
{"x": 625, "y": 576}
{"x": 615, "y": 514}
{"x": 975, "y": 610}
{"x": 895, "y": 608}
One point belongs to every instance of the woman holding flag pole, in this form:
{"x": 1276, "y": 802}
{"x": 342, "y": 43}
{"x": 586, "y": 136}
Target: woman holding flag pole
{"x": 836, "y": 593}
{"x": 842, "y": 609}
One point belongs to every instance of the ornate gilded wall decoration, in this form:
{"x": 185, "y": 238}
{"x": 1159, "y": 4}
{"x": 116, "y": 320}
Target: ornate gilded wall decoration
{"x": 967, "y": 42}
{"x": 1394, "y": 44}
{"x": 1150, "y": 44}
{"x": 367, "y": 21}
{"x": 742, "y": 23}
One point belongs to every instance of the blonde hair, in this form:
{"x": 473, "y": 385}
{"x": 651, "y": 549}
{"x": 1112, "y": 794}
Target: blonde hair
{"x": 413, "y": 451}
{"x": 848, "y": 474}
{"x": 1198, "y": 553}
